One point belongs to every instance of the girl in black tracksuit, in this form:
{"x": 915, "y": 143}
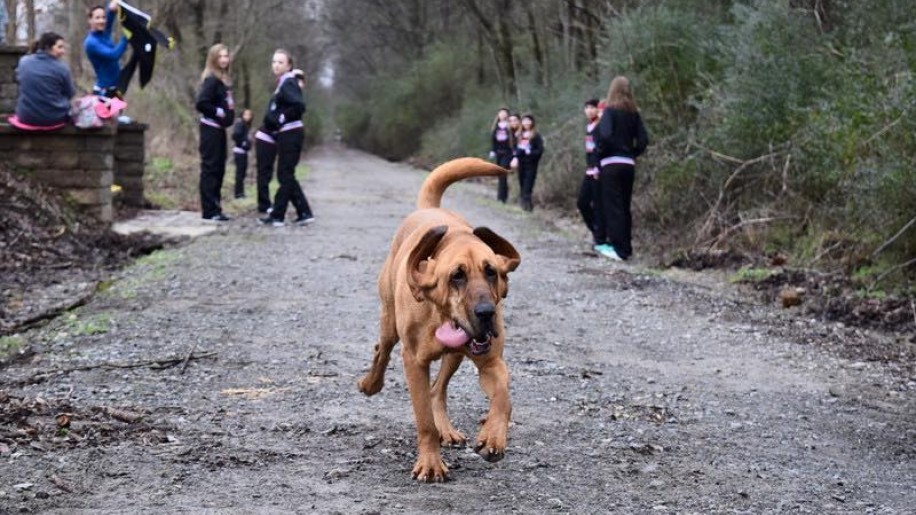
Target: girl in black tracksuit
{"x": 528, "y": 150}
{"x": 214, "y": 102}
{"x": 502, "y": 140}
{"x": 240, "y": 151}
{"x": 283, "y": 120}
{"x": 622, "y": 138}
{"x": 588, "y": 191}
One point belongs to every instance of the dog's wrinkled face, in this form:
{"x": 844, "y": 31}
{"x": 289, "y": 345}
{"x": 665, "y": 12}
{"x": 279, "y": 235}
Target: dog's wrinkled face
{"x": 465, "y": 279}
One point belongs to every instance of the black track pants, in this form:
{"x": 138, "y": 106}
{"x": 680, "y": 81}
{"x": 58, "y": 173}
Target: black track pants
{"x": 212, "y": 168}
{"x": 289, "y": 149}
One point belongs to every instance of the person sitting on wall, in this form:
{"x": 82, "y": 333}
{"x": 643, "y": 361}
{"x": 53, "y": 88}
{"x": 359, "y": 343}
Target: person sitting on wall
{"x": 45, "y": 86}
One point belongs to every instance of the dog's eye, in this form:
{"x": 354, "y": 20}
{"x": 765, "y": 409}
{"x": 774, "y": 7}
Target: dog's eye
{"x": 490, "y": 272}
{"x": 458, "y": 276}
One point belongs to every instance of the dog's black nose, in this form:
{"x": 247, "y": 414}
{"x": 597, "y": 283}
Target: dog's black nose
{"x": 484, "y": 311}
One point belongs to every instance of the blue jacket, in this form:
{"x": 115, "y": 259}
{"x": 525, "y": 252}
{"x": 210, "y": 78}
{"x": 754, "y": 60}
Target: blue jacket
{"x": 45, "y": 89}
{"x": 104, "y": 54}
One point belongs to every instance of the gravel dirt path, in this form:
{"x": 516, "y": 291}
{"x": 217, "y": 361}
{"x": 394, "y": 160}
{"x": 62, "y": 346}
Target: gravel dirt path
{"x": 220, "y": 376}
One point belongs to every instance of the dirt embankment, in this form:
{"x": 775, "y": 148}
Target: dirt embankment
{"x": 220, "y": 376}
{"x": 51, "y": 258}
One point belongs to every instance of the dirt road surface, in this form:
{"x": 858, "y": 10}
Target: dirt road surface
{"x": 219, "y": 376}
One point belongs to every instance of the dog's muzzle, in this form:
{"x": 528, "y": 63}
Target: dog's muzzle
{"x": 480, "y": 343}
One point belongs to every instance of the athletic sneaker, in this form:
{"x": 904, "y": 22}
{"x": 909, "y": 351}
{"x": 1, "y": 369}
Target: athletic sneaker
{"x": 609, "y": 252}
{"x": 276, "y": 222}
{"x": 304, "y": 220}
{"x": 219, "y": 217}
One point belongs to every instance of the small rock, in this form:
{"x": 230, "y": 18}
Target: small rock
{"x": 649, "y": 469}
{"x": 23, "y": 486}
{"x": 790, "y": 296}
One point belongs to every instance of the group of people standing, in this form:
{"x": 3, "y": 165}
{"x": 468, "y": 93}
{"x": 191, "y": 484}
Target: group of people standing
{"x": 278, "y": 141}
{"x": 516, "y": 145}
{"x": 614, "y": 137}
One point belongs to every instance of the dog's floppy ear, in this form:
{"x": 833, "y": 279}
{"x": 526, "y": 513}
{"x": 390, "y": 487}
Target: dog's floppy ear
{"x": 505, "y": 252}
{"x": 502, "y": 248}
{"x": 420, "y": 267}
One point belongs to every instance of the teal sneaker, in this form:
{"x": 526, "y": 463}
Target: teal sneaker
{"x": 609, "y": 252}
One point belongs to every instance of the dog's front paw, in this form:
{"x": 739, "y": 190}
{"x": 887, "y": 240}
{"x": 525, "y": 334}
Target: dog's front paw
{"x": 491, "y": 443}
{"x": 448, "y": 435}
{"x": 430, "y": 468}
{"x": 370, "y": 385}
{"x": 452, "y": 437}
{"x": 491, "y": 454}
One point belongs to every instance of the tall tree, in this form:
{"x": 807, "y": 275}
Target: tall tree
{"x": 497, "y": 28}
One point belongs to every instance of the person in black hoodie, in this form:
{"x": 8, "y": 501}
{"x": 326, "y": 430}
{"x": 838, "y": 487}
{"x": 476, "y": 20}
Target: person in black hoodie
{"x": 283, "y": 120}
{"x": 502, "y": 139}
{"x": 214, "y": 102}
{"x": 588, "y": 191}
{"x": 622, "y": 138}
{"x": 528, "y": 150}
{"x": 240, "y": 151}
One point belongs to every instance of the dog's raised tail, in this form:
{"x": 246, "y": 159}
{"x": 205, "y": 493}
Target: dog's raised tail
{"x": 450, "y": 172}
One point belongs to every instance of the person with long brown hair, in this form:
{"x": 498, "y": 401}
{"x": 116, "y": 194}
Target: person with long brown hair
{"x": 214, "y": 102}
{"x": 622, "y": 138}
{"x": 528, "y": 150}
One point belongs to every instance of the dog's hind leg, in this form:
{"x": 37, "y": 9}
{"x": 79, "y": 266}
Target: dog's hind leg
{"x": 448, "y": 435}
{"x": 374, "y": 380}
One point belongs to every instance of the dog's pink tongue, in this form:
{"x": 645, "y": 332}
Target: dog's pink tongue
{"x": 451, "y": 336}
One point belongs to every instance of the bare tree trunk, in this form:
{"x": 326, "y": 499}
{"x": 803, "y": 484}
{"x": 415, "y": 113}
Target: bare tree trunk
{"x": 202, "y": 46}
{"x": 221, "y": 21}
{"x": 499, "y": 36}
{"x": 536, "y": 47}
{"x": 481, "y": 71}
{"x": 75, "y": 29}
{"x": 30, "y": 20}
{"x": 12, "y": 26}
{"x": 246, "y": 85}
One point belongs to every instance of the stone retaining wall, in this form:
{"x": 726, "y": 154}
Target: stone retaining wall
{"x": 130, "y": 161}
{"x": 78, "y": 162}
